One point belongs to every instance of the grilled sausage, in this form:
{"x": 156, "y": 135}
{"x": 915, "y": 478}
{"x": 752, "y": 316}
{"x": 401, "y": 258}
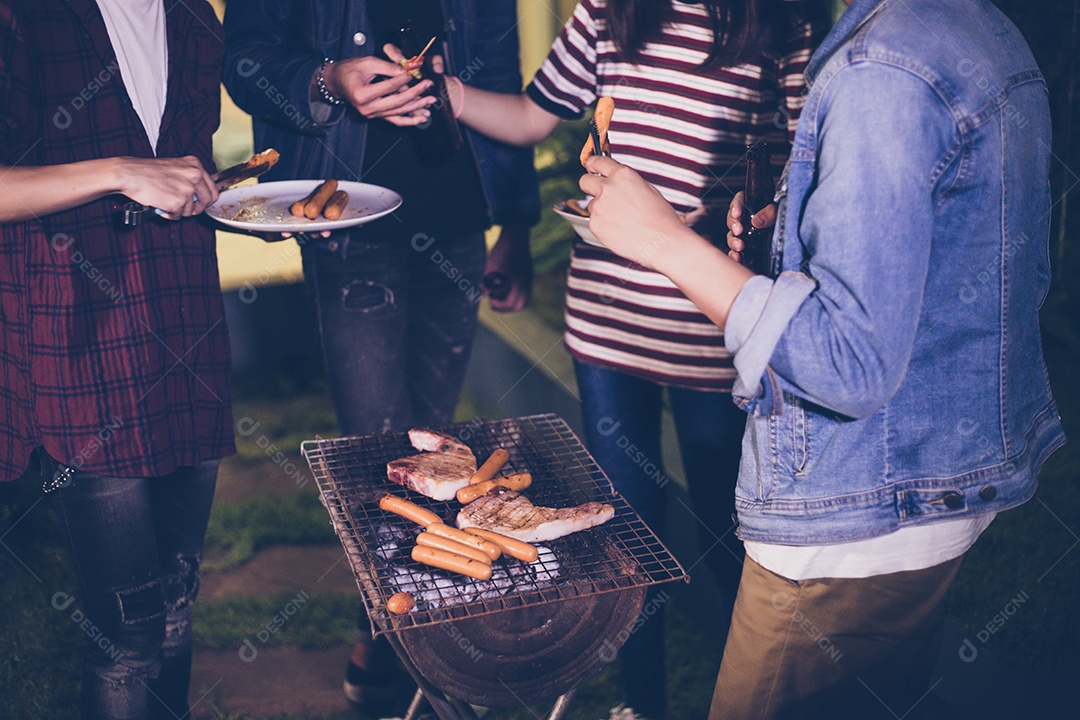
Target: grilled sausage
{"x": 452, "y": 562}
{"x": 452, "y": 533}
{"x": 318, "y": 201}
{"x": 297, "y": 208}
{"x": 514, "y": 548}
{"x": 576, "y": 207}
{"x": 408, "y": 510}
{"x": 400, "y": 603}
{"x": 514, "y": 481}
{"x": 491, "y": 466}
{"x": 469, "y": 493}
{"x": 440, "y": 543}
{"x": 336, "y": 205}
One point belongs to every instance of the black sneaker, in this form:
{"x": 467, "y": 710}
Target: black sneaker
{"x": 381, "y": 694}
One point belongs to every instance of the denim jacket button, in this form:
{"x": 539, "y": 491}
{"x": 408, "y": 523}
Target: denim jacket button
{"x": 359, "y": 39}
{"x": 953, "y": 500}
{"x": 988, "y": 493}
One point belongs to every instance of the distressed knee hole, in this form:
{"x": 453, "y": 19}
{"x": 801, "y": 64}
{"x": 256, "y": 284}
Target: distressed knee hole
{"x": 181, "y": 587}
{"x": 366, "y": 296}
{"x": 141, "y": 603}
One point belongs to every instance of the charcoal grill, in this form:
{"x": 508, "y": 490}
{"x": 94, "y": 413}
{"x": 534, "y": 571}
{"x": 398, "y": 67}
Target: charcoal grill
{"x": 530, "y": 634}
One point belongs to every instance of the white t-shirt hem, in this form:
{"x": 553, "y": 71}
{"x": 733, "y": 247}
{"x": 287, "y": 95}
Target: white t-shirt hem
{"x": 911, "y": 548}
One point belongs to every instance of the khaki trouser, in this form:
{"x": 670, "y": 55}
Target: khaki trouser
{"x": 833, "y": 648}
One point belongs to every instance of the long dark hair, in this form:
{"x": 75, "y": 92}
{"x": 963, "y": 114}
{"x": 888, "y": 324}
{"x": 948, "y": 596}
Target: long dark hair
{"x": 742, "y": 29}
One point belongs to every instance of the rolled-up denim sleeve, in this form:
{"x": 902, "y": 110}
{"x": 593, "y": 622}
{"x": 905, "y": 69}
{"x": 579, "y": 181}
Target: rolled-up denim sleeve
{"x": 841, "y": 336}
{"x": 758, "y": 318}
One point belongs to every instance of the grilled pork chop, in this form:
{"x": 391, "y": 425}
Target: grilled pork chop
{"x": 443, "y": 467}
{"x": 512, "y": 514}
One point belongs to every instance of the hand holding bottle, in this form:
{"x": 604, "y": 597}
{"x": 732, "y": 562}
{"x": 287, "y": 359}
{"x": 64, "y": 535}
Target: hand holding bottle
{"x": 438, "y": 138}
{"x": 764, "y": 218}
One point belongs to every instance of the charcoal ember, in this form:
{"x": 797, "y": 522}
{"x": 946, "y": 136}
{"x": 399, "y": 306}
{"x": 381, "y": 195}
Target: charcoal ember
{"x": 392, "y": 540}
{"x": 446, "y": 590}
{"x": 388, "y": 551}
{"x": 497, "y": 586}
{"x": 537, "y": 574}
{"x": 408, "y": 581}
{"x": 546, "y": 568}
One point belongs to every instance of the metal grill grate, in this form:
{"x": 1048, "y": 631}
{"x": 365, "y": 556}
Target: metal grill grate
{"x": 622, "y": 553}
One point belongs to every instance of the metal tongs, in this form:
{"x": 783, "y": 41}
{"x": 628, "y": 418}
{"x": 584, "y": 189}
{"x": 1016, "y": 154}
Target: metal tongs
{"x": 132, "y": 212}
{"x": 594, "y": 133}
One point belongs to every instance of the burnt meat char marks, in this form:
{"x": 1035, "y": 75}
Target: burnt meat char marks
{"x": 443, "y": 466}
{"x": 514, "y": 515}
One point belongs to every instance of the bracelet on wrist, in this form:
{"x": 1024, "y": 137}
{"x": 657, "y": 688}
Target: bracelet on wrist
{"x": 320, "y": 83}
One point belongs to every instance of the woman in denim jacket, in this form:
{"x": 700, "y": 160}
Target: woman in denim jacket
{"x": 893, "y": 372}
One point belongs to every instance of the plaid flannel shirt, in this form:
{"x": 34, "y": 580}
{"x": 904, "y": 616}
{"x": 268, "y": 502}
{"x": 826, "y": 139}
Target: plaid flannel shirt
{"x": 113, "y": 348}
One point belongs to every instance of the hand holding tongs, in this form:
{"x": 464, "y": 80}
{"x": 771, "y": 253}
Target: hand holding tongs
{"x": 594, "y": 133}
{"x": 252, "y": 168}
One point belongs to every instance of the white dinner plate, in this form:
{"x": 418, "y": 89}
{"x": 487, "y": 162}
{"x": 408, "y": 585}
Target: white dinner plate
{"x": 265, "y": 207}
{"x": 580, "y": 224}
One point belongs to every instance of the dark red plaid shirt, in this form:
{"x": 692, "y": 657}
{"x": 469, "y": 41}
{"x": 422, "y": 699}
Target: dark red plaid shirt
{"x": 113, "y": 349}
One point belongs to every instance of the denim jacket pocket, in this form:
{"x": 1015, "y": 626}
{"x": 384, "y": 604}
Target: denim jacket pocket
{"x": 806, "y": 432}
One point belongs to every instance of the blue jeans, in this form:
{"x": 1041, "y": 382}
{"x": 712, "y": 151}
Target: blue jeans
{"x": 396, "y": 319}
{"x": 135, "y": 545}
{"x": 622, "y": 430}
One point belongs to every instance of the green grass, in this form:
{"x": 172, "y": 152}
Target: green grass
{"x": 39, "y": 645}
{"x": 284, "y": 422}
{"x": 238, "y": 530}
{"x": 306, "y": 620}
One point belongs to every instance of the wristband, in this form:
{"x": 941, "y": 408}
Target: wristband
{"x": 320, "y": 83}
{"x": 461, "y": 94}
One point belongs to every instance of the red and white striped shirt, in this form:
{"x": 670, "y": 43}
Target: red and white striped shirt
{"x": 685, "y": 130}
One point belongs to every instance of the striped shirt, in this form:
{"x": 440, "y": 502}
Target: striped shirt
{"x": 685, "y": 130}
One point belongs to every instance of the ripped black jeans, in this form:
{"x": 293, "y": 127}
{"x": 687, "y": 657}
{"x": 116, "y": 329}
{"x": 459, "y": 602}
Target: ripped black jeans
{"x": 396, "y": 319}
{"x": 135, "y": 546}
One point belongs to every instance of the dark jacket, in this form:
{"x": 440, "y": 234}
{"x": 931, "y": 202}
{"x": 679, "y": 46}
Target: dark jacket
{"x": 274, "y": 47}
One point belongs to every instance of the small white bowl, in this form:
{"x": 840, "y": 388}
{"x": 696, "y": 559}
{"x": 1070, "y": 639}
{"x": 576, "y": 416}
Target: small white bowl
{"x": 580, "y": 224}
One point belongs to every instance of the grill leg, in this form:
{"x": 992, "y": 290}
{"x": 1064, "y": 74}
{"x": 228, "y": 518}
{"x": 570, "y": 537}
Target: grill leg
{"x": 414, "y": 707}
{"x": 562, "y": 705}
{"x": 446, "y": 707}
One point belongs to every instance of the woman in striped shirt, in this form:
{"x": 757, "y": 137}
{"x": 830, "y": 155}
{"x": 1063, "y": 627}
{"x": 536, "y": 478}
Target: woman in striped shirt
{"x": 693, "y": 83}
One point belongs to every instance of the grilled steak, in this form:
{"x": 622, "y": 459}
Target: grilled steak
{"x": 512, "y": 514}
{"x": 443, "y": 467}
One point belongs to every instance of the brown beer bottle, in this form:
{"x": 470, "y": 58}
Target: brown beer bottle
{"x": 760, "y": 189}
{"x": 439, "y": 139}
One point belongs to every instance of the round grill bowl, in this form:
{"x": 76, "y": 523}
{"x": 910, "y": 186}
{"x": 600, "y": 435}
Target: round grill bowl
{"x": 525, "y": 655}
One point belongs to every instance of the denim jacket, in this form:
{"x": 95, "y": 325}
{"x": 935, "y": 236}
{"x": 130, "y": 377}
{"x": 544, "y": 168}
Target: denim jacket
{"x": 893, "y": 372}
{"x": 274, "y": 47}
